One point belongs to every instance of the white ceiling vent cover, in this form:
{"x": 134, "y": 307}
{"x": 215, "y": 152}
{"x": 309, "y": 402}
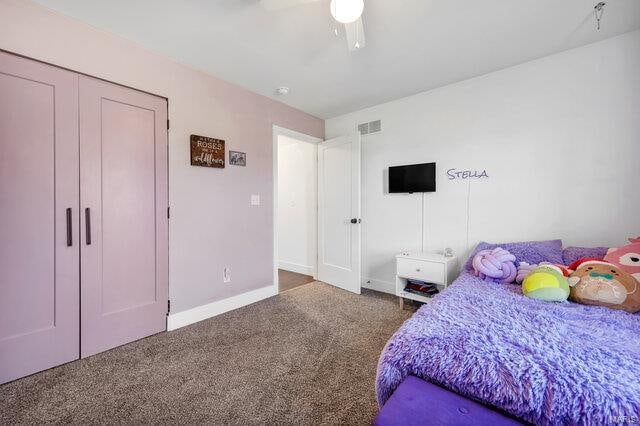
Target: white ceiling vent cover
{"x": 370, "y": 127}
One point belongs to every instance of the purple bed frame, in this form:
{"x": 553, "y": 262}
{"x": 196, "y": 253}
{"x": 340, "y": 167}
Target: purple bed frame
{"x": 416, "y": 401}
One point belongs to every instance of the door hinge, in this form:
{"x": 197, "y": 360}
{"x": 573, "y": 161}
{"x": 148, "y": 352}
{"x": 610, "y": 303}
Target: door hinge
{"x": 168, "y": 212}
{"x": 167, "y": 124}
{"x": 168, "y": 305}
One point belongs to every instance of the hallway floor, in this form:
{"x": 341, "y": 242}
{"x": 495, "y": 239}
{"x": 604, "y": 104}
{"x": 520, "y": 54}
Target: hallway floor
{"x": 288, "y": 280}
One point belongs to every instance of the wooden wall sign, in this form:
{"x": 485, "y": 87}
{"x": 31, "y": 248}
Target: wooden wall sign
{"x": 207, "y": 152}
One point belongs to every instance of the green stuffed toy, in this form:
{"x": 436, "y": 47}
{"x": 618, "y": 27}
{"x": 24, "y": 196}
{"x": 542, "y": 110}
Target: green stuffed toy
{"x": 547, "y": 282}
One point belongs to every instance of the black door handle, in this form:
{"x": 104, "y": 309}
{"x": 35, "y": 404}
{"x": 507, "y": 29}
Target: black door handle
{"x": 69, "y": 228}
{"x": 354, "y": 220}
{"x": 87, "y": 224}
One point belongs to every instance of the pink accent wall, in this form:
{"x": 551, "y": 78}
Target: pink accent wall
{"x": 212, "y": 223}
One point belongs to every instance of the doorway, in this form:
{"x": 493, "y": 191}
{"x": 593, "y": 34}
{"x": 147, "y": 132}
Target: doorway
{"x": 316, "y": 210}
{"x": 295, "y": 208}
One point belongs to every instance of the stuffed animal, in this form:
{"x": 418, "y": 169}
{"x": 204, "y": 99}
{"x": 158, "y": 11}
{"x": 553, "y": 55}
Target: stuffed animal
{"x": 524, "y": 270}
{"x": 597, "y": 282}
{"x": 495, "y": 265}
{"x": 546, "y": 282}
{"x": 626, "y": 257}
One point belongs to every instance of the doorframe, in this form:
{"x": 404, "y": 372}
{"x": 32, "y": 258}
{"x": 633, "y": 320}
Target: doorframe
{"x": 281, "y": 131}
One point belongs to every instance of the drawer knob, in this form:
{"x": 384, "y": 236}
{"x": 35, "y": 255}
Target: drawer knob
{"x": 417, "y": 269}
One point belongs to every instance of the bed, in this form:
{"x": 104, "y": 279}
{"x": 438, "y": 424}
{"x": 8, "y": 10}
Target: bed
{"x": 539, "y": 362}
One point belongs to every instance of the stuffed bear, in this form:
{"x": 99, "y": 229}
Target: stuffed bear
{"x": 626, "y": 257}
{"x": 597, "y": 282}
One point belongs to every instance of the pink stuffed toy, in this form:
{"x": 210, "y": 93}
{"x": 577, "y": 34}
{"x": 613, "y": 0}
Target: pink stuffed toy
{"x": 495, "y": 265}
{"x": 524, "y": 270}
{"x": 626, "y": 257}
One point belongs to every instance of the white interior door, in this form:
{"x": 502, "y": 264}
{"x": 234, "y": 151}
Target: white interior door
{"x": 339, "y": 212}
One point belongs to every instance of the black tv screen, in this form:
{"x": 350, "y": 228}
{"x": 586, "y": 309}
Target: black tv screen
{"x": 413, "y": 178}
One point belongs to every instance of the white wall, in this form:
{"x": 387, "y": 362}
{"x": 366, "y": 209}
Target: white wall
{"x": 559, "y": 138}
{"x": 212, "y": 223}
{"x": 297, "y": 201}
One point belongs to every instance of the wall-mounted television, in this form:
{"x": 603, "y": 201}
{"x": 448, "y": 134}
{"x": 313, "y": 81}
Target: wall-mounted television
{"x": 412, "y": 178}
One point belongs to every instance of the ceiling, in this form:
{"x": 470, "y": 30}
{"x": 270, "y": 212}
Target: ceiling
{"x": 412, "y": 45}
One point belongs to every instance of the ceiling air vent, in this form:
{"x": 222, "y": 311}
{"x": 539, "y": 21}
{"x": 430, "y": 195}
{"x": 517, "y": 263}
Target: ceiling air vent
{"x": 370, "y": 127}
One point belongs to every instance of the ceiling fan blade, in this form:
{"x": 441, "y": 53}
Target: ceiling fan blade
{"x": 355, "y": 35}
{"x": 283, "y": 4}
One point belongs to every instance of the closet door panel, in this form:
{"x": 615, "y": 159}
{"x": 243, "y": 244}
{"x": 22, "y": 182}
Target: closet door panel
{"x": 128, "y": 206}
{"x": 123, "y": 143}
{"x": 39, "y": 270}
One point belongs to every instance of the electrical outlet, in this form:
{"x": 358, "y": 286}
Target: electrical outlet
{"x": 226, "y": 275}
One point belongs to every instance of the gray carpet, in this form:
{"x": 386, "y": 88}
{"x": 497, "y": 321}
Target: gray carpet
{"x": 305, "y": 356}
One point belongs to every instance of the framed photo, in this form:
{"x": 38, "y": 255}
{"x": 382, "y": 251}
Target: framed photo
{"x": 237, "y": 158}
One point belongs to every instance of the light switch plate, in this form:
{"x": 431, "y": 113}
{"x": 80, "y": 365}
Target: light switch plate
{"x": 255, "y": 200}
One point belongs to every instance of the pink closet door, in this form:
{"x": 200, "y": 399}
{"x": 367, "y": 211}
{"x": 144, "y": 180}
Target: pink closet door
{"x": 39, "y": 276}
{"x": 124, "y": 225}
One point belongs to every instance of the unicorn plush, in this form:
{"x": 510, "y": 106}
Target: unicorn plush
{"x": 626, "y": 257}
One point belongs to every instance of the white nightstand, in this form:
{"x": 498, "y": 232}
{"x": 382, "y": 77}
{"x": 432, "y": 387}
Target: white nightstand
{"x": 429, "y": 267}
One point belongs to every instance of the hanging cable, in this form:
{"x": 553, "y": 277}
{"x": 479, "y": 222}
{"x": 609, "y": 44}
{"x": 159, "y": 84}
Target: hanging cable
{"x": 598, "y": 10}
{"x": 423, "y": 224}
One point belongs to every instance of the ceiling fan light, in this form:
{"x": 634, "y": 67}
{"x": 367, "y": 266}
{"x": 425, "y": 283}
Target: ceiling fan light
{"x": 346, "y": 11}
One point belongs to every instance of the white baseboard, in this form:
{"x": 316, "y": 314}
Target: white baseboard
{"x": 378, "y": 285}
{"x": 190, "y": 316}
{"x": 295, "y": 267}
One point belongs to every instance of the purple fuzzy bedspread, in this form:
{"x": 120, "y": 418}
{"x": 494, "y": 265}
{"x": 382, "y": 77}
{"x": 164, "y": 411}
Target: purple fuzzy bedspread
{"x": 546, "y": 363}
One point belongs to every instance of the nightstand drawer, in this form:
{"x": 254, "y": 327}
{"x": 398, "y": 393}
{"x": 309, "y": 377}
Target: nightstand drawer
{"x": 432, "y": 272}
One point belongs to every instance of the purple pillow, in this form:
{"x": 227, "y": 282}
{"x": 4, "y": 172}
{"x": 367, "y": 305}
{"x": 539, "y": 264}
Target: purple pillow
{"x": 527, "y": 251}
{"x": 571, "y": 254}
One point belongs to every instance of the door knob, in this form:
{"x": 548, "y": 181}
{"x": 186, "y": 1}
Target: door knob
{"x": 354, "y": 220}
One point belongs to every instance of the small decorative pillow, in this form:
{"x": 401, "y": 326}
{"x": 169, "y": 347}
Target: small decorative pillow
{"x": 495, "y": 265}
{"x": 532, "y": 252}
{"x": 571, "y": 254}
